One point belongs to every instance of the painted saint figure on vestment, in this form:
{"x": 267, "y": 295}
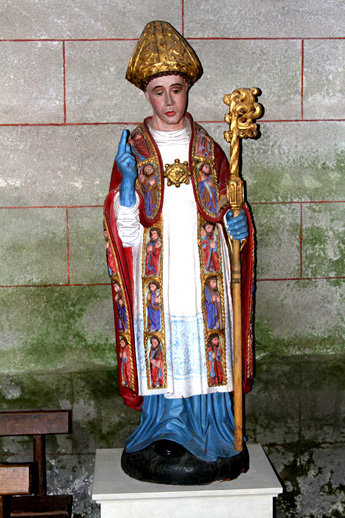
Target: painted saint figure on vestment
{"x": 214, "y": 354}
{"x": 213, "y": 303}
{"x": 125, "y": 361}
{"x": 209, "y": 243}
{"x": 109, "y": 256}
{"x": 148, "y": 180}
{"x": 208, "y": 192}
{"x": 153, "y": 252}
{"x": 121, "y": 309}
{"x": 156, "y": 362}
{"x": 153, "y": 307}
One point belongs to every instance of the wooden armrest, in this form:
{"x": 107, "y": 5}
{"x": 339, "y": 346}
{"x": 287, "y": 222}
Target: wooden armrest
{"x": 16, "y": 479}
{"x": 40, "y": 422}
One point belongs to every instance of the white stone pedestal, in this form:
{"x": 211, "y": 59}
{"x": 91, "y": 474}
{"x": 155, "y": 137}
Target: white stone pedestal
{"x": 249, "y": 496}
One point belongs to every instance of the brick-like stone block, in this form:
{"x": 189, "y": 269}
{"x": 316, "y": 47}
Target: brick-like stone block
{"x": 272, "y": 66}
{"x": 322, "y": 389}
{"x": 45, "y": 329}
{"x": 31, "y": 82}
{"x": 292, "y": 161}
{"x": 86, "y": 245}
{"x": 278, "y": 240}
{"x": 324, "y": 79}
{"x": 272, "y": 407}
{"x": 96, "y": 88}
{"x": 34, "y": 246}
{"x": 299, "y": 317}
{"x": 299, "y": 398}
{"x": 83, "y": 18}
{"x": 56, "y": 165}
{"x": 265, "y": 19}
{"x": 323, "y": 240}
{"x": 101, "y": 420}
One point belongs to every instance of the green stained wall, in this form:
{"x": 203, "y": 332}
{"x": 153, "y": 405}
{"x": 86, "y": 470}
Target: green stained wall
{"x": 63, "y": 104}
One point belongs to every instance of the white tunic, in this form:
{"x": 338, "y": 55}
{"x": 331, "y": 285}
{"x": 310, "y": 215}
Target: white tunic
{"x": 182, "y": 294}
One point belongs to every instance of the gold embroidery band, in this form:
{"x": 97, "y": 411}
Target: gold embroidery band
{"x": 122, "y": 315}
{"x": 149, "y": 179}
{"x": 152, "y": 296}
{"x": 213, "y": 309}
{"x": 204, "y": 172}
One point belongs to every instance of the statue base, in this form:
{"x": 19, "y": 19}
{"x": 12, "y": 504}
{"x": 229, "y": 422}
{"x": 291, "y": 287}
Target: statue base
{"x": 166, "y": 462}
{"x": 251, "y": 495}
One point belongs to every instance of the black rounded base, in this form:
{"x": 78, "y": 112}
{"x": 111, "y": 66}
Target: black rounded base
{"x": 166, "y": 462}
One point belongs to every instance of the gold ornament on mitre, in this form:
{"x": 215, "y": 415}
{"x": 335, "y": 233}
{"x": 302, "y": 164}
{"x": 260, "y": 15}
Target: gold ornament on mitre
{"x": 162, "y": 49}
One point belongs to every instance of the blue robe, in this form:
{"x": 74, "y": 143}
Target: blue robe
{"x": 203, "y": 424}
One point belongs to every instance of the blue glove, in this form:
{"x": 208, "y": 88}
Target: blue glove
{"x": 237, "y": 227}
{"x": 128, "y": 168}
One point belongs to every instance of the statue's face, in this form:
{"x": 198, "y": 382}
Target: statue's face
{"x": 209, "y": 229}
{"x": 215, "y": 340}
{"x": 148, "y": 170}
{"x": 213, "y": 284}
{"x": 154, "y": 235}
{"x": 154, "y": 343}
{"x": 168, "y": 98}
{"x": 206, "y": 169}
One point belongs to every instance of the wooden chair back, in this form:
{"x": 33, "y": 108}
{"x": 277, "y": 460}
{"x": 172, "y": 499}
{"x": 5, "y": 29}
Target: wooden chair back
{"x": 38, "y": 424}
{"x": 30, "y": 479}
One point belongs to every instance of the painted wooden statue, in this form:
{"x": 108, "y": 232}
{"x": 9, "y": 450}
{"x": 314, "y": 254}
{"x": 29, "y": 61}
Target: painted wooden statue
{"x": 167, "y": 224}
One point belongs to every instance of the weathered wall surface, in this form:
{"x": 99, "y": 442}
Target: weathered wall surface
{"x": 63, "y": 104}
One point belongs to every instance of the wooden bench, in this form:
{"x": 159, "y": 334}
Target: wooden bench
{"x": 38, "y": 424}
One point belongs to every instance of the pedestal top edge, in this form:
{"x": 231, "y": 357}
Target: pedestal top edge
{"x": 271, "y": 492}
{"x": 111, "y": 483}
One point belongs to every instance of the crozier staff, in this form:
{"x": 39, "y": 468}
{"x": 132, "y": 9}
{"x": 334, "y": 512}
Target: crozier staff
{"x": 187, "y": 414}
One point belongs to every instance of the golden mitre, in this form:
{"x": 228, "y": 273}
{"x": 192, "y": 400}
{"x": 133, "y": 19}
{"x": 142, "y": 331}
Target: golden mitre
{"x": 162, "y": 49}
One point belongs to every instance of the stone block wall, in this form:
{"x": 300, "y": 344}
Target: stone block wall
{"x": 63, "y": 104}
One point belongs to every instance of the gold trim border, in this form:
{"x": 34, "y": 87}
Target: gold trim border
{"x": 145, "y": 280}
{"x": 220, "y": 282}
{"x": 153, "y": 159}
{"x": 126, "y": 334}
{"x": 199, "y": 161}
